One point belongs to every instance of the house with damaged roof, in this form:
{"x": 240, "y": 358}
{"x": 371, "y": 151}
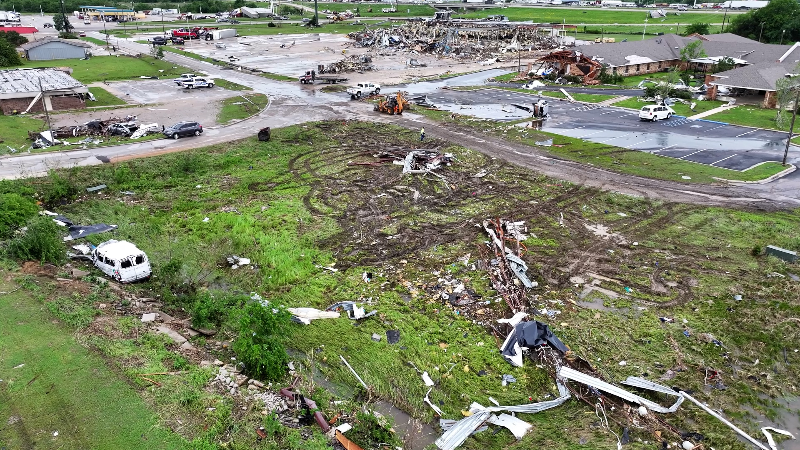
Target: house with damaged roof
{"x": 757, "y": 66}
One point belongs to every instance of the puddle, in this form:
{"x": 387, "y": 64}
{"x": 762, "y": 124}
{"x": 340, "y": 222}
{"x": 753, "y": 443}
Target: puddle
{"x": 415, "y": 434}
{"x": 788, "y": 419}
{"x": 495, "y": 111}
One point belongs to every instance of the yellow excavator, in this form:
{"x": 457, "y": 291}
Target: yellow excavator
{"x": 393, "y": 104}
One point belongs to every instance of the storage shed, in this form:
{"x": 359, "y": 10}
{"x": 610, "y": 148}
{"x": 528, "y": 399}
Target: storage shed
{"x": 54, "y": 48}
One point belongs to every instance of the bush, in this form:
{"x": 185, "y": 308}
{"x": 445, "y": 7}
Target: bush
{"x": 606, "y": 77}
{"x": 368, "y": 432}
{"x": 15, "y": 211}
{"x": 42, "y": 242}
{"x": 210, "y": 310}
{"x": 59, "y": 190}
{"x": 259, "y": 345}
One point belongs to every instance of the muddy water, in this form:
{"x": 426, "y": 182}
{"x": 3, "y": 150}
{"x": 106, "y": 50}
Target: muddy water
{"x": 415, "y": 434}
{"x": 788, "y": 419}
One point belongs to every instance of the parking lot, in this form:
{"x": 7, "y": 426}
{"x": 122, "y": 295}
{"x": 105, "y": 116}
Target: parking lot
{"x": 160, "y": 101}
{"x": 711, "y": 143}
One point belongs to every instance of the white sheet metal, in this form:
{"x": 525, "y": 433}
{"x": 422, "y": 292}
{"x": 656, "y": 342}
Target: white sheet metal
{"x": 771, "y": 441}
{"x": 458, "y": 433}
{"x": 601, "y": 385}
{"x": 725, "y": 421}
{"x": 517, "y": 427}
{"x": 649, "y": 385}
{"x": 434, "y": 407}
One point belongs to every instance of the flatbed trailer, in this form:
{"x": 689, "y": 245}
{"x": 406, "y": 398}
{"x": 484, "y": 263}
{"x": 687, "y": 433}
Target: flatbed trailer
{"x": 327, "y": 79}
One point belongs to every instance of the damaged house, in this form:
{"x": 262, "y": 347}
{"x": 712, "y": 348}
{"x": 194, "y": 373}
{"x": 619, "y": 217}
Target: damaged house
{"x": 24, "y": 90}
{"x": 757, "y": 66}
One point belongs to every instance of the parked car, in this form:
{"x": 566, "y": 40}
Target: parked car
{"x": 177, "y": 40}
{"x": 198, "y": 82}
{"x": 82, "y": 34}
{"x": 122, "y": 261}
{"x": 48, "y": 25}
{"x": 183, "y": 129}
{"x": 655, "y": 112}
{"x": 184, "y": 78}
{"x": 158, "y": 40}
{"x": 87, "y": 22}
{"x": 282, "y": 17}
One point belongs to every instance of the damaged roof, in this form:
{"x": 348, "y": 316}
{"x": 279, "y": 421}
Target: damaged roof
{"x": 21, "y": 83}
{"x": 668, "y": 48}
{"x": 756, "y": 76}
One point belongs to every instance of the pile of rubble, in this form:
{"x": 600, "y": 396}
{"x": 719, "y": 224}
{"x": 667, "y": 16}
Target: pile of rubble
{"x": 568, "y": 62}
{"x": 353, "y": 63}
{"x": 449, "y": 40}
{"x": 115, "y": 126}
{"x": 413, "y": 161}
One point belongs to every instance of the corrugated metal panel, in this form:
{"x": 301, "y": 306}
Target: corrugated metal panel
{"x": 56, "y": 50}
{"x": 649, "y": 385}
{"x": 782, "y": 253}
{"x": 601, "y": 385}
{"x": 459, "y": 432}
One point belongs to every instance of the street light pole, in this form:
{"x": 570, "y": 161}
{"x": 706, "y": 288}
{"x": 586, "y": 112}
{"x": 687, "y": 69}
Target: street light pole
{"x": 47, "y": 116}
{"x": 782, "y": 33}
{"x": 791, "y": 127}
{"x": 723, "y": 20}
{"x": 645, "y": 29}
{"x": 761, "y": 32}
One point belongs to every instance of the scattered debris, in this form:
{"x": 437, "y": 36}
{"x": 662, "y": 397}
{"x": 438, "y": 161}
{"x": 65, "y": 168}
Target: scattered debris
{"x": 306, "y": 315}
{"x": 149, "y": 317}
{"x": 781, "y": 253}
{"x": 507, "y": 265}
{"x": 354, "y": 311}
{"x": 96, "y": 188}
{"x": 236, "y": 261}
{"x": 354, "y": 372}
{"x": 393, "y": 336}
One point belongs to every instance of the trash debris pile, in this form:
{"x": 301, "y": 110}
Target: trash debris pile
{"x": 468, "y": 42}
{"x": 569, "y": 62}
{"x": 353, "y": 63}
{"x": 413, "y": 161}
{"x": 507, "y": 270}
{"x": 115, "y": 126}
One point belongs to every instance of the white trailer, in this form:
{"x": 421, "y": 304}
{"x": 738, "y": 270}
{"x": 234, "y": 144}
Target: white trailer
{"x": 611, "y": 3}
{"x": 222, "y": 34}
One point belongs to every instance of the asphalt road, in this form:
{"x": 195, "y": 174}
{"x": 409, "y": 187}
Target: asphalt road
{"x": 715, "y": 144}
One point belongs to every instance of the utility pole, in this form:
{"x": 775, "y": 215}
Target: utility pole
{"x": 50, "y": 127}
{"x": 67, "y": 25}
{"x": 316, "y": 14}
{"x": 791, "y": 127}
{"x": 723, "y": 20}
{"x": 760, "y": 32}
{"x": 645, "y": 29}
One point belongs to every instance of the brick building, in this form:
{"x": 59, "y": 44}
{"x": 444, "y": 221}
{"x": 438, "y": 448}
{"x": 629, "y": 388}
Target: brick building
{"x": 24, "y": 90}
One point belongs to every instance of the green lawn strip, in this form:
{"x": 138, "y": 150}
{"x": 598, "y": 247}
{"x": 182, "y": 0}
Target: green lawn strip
{"x": 751, "y": 116}
{"x": 96, "y": 41}
{"x": 241, "y": 107}
{"x": 363, "y": 9}
{"x": 277, "y": 77}
{"x": 14, "y": 132}
{"x": 589, "y": 98}
{"x": 614, "y": 158}
{"x": 103, "y": 98}
{"x": 102, "y": 68}
{"x": 230, "y": 85}
{"x": 192, "y": 55}
{"x": 680, "y": 108}
{"x": 591, "y": 16}
{"x": 64, "y": 388}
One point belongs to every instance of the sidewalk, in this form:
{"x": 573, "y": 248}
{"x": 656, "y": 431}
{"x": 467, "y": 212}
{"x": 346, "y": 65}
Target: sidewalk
{"x": 710, "y": 112}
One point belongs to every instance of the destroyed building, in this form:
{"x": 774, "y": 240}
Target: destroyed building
{"x": 24, "y": 90}
{"x": 568, "y": 62}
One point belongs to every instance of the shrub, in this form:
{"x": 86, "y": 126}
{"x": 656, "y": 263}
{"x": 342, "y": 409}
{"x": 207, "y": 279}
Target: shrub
{"x": 368, "y": 432}
{"x": 15, "y": 211}
{"x": 59, "y": 189}
{"x": 213, "y": 310}
{"x": 42, "y": 241}
{"x": 259, "y": 345}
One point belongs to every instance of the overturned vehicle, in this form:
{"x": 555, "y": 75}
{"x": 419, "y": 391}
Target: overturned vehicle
{"x": 122, "y": 261}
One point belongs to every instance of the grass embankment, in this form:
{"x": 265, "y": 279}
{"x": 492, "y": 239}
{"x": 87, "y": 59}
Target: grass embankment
{"x": 618, "y": 159}
{"x": 241, "y": 107}
{"x": 95, "y": 41}
{"x": 300, "y": 204}
{"x": 108, "y": 68}
{"x": 752, "y": 116}
{"x": 230, "y": 85}
{"x": 56, "y": 394}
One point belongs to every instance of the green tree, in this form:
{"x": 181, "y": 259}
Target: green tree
{"x": 724, "y": 64}
{"x": 693, "y": 50}
{"x": 779, "y": 20}
{"x": 697, "y": 28}
{"x": 13, "y": 38}
{"x": 41, "y": 242}
{"x": 15, "y": 210}
{"x": 8, "y": 55}
{"x": 61, "y": 23}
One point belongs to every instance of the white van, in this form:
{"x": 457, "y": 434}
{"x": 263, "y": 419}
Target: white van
{"x": 122, "y": 261}
{"x": 655, "y": 112}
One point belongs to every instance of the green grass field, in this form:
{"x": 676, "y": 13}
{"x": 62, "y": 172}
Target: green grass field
{"x": 14, "y": 132}
{"x": 240, "y": 107}
{"x": 230, "y": 85}
{"x": 300, "y": 205}
{"x": 752, "y": 116}
{"x": 363, "y": 9}
{"x": 589, "y": 98}
{"x": 95, "y": 41}
{"x": 594, "y": 16}
{"x": 101, "y": 68}
{"x": 64, "y": 396}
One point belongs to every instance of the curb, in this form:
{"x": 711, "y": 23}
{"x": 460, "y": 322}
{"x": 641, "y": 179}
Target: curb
{"x": 770, "y": 179}
{"x": 718, "y": 122}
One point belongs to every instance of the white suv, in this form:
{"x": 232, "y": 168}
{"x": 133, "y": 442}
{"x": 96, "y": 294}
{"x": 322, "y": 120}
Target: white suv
{"x": 655, "y": 112}
{"x": 363, "y": 89}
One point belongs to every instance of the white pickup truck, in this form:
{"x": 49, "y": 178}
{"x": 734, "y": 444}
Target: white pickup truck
{"x": 361, "y": 89}
{"x": 198, "y": 82}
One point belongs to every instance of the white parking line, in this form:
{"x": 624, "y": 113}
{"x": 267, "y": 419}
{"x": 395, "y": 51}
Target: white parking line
{"x": 717, "y": 127}
{"x": 589, "y": 134}
{"x": 751, "y": 131}
{"x": 611, "y": 139}
{"x": 634, "y": 145}
{"x": 662, "y": 149}
{"x": 690, "y": 154}
{"x": 723, "y": 159}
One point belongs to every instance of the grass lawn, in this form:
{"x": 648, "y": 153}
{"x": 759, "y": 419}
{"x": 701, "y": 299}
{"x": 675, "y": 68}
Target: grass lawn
{"x": 751, "y": 116}
{"x": 14, "y": 132}
{"x": 592, "y": 16}
{"x": 300, "y": 204}
{"x": 277, "y": 77}
{"x": 64, "y": 396}
{"x": 104, "y": 98}
{"x": 589, "y": 98}
{"x": 363, "y": 9}
{"x": 96, "y": 41}
{"x": 241, "y": 107}
{"x": 100, "y": 68}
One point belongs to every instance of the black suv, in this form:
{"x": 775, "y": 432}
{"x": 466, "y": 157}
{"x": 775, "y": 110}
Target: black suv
{"x": 183, "y": 129}
{"x": 159, "y": 40}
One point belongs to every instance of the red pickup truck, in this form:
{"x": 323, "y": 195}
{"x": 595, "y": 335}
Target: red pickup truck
{"x": 192, "y": 33}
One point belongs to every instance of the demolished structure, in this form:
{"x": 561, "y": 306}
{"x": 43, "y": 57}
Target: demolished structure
{"x": 456, "y": 40}
{"x": 568, "y": 62}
